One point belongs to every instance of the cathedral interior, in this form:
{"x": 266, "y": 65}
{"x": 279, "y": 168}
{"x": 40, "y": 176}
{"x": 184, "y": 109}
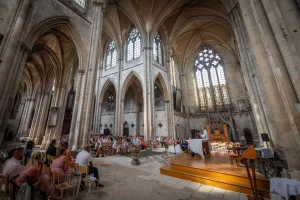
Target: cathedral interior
{"x": 151, "y": 68}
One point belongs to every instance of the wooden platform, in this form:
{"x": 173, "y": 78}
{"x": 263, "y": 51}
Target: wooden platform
{"x": 214, "y": 170}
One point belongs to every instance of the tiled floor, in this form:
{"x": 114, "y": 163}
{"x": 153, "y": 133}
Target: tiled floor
{"x": 122, "y": 181}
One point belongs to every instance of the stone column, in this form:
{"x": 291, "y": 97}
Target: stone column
{"x": 98, "y": 7}
{"x": 19, "y": 132}
{"x": 43, "y": 114}
{"x": 284, "y": 42}
{"x": 35, "y": 117}
{"x": 168, "y": 113}
{"x": 73, "y": 138}
{"x": 280, "y": 92}
{"x": 118, "y": 112}
{"x": 257, "y": 93}
{"x": 186, "y": 103}
{"x": 13, "y": 88}
{"x": 7, "y": 66}
{"x": 25, "y": 129}
{"x": 19, "y": 116}
{"x": 148, "y": 87}
{"x": 170, "y": 104}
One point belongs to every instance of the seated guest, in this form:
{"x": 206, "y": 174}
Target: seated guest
{"x": 33, "y": 170}
{"x": 143, "y": 144}
{"x": 52, "y": 149}
{"x": 68, "y": 152}
{"x": 99, "y": 147}
{"x": 84, "y": 158}
{"x": 135, "y": 141}
{"x": 28, "y": 150}
{"x": 183, "y": 144}
{"x": 12, "y": 166}
{"x": 61, "y": 165}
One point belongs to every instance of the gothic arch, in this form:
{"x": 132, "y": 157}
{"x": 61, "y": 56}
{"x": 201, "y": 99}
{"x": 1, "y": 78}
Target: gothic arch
{"x": 105, "y": 87}
{"x": 128, "y": 81}
{"x": 47, "y": 24}
{"x": 162, "y": 85}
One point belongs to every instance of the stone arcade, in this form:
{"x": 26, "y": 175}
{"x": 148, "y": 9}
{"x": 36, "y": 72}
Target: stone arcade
{"x": 151, "y": 68}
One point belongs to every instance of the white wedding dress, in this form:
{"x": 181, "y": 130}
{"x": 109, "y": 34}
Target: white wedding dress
{"x": 176, "y": 150}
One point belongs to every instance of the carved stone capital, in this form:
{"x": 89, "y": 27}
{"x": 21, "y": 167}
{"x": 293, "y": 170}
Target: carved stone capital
{"x": 98, "y": 3}
{"x": 24, "y": 47}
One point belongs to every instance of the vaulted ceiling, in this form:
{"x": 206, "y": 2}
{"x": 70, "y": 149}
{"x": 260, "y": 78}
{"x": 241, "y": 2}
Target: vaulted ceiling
{"x": 52, "y": 57}
{"x": 184, "y": 24}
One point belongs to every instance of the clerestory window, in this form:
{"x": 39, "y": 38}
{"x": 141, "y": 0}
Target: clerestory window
{"x": 210, "y": 79}
{"x": 80, "y": 2}
{"x": 157, "y": 49}
{"x": 134, "y": 45}
{"x": 111, "y": 56}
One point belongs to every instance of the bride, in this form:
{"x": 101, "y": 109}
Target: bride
{"x": 174, "y": 147}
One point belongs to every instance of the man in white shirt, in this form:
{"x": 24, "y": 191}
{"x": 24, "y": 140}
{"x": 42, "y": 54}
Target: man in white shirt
{"x": 204, "y": 135}
{"x": 12, "y": 166}
{"x": 135, "y": 141}
{"x": 84, "y": 158}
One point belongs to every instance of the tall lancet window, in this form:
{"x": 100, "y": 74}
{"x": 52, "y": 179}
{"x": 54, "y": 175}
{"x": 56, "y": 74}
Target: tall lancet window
{"x": 210, "y": 79}
{"x": 134, "y": 45}
{"x": 173, "y": 71}
{"x": 157, "y": 49}
{"x": 111, "y": 56}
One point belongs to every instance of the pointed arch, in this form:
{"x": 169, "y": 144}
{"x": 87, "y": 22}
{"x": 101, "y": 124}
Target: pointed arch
{"x": 132, "y": 77}
{"x": 162, "y": 84}
{"x": 47, "y": 24}
{"x": 108, "y": 83}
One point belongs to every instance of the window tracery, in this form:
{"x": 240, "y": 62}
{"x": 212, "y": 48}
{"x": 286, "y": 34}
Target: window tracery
{"x": 81, "y": 3}
{"x": 111, "y": 56}
{"x": 210, "y": 79}
{"x": 157, "y": 49}
{"x": 134, "y": 45}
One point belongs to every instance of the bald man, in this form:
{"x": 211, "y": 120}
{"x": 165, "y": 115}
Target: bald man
{"x": 84, "y": 158}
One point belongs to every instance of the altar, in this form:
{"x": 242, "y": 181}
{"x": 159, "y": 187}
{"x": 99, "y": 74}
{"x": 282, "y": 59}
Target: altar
{"x": 199, "y": 146}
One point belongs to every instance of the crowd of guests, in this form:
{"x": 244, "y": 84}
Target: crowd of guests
{"x": 33, "y": 164}
{"x": 120, "y": 145}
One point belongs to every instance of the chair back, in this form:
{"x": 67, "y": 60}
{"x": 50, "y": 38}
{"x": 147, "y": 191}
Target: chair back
{"x": 46, "y": 170}
{"x": 55, "y": 177}
{"x": 84, "y": 170}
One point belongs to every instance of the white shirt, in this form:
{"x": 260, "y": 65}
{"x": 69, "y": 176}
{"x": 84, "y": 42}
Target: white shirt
{"x": 11, "y": 168}
{"x": 83, "y": 158}
{"x": 205, "y": 135}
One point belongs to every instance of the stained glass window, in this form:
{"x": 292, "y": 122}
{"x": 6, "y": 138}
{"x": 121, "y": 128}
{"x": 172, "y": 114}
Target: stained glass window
{"x": 111, "y": 56}
{"x": 80, "y": 2}
{"x": 134, "y": 45}
{"x": 210, "y": 79}
{"x": 173, "y": 71}
{"x": 157, "y": 49}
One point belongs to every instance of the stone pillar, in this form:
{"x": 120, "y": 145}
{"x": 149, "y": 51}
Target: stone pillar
{"x": 284, "y": 42}
{"x": 186, "y": 100}
{"x": 9, "y": 58}
{"x": 148, "y": 87}
{"x": 25, "y": 129}
{"x": 72, "y": 136}
{"x": 279, "y": 88}
{"x": 98, "y": 7}
{"x": 118, "y": 111}
{"x": 170, "y": 104}
{"x": 35, "y": 117}
{"x": 256, "y": 91}
{"x": 43, "y": 114}
{"x": 19, "y": 116}
{"x": 23, "y": 117}
{"x": 13, "y": 88}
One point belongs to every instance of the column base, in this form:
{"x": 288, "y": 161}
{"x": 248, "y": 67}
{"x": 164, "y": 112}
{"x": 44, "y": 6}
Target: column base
{"x": 43, "y": 145}
{"x": 37, "y": 141}
{"x": 75, "y": 148}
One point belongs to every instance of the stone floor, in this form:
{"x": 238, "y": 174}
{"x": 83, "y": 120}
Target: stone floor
{"x": 125, "y": 182}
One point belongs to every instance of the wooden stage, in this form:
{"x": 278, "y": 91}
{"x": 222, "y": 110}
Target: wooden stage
{"x": 214, "y": 170}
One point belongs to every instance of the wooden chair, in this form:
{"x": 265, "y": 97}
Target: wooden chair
{"x": 74, "y": 171}
{"x": 47, "y": 170}
{"x": 61, "y": 186}
{"x": 84, "y": 177}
